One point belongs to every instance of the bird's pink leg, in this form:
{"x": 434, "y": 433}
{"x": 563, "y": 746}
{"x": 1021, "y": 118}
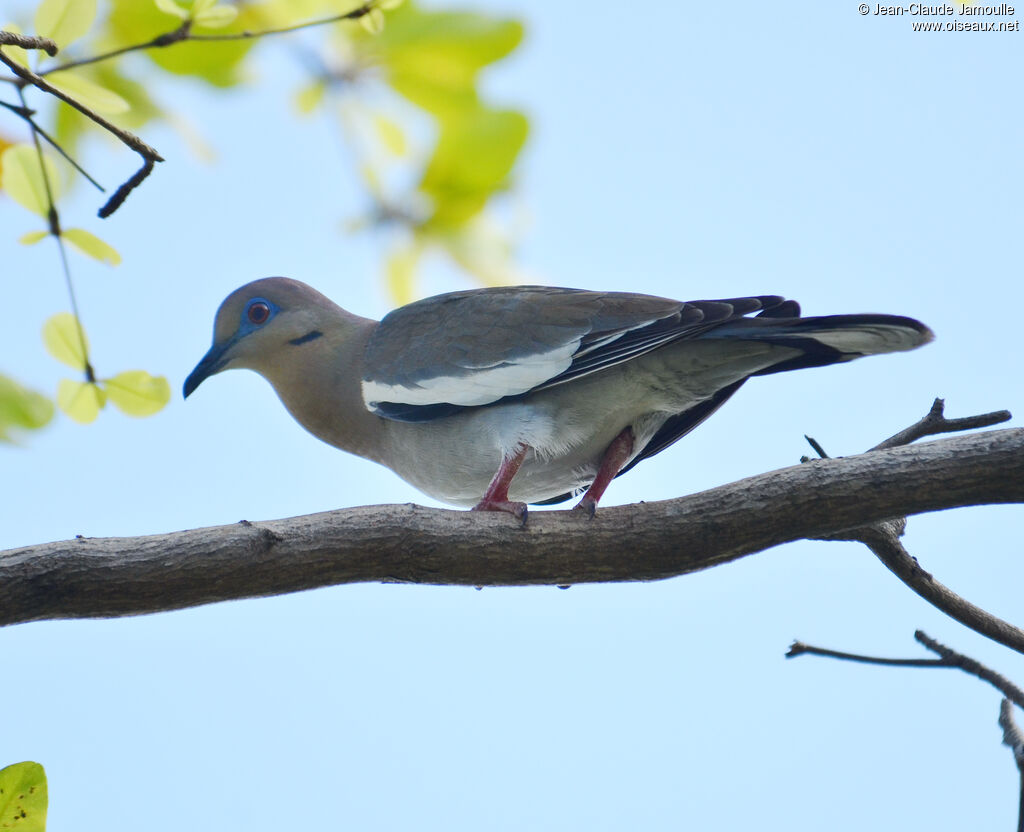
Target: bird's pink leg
{"x": 496, "y": 496}
{"x": 615, "y": 457}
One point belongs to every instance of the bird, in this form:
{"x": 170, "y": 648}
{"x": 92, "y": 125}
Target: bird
{"x": 496, "y": 398}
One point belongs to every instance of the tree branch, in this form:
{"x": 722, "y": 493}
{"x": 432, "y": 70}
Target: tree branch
{"x": 949, "y": 657}
{"x": 100, "y": 577}
{"x": 883, "y": 538}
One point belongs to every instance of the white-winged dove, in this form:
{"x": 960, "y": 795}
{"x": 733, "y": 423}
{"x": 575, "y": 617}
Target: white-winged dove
{"x": 495, "y": 398}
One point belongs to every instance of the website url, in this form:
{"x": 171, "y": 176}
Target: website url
{"x": 961, "y": 26}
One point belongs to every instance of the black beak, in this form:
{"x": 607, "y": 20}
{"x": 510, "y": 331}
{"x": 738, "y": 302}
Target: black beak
{"x": 213, "y": 362}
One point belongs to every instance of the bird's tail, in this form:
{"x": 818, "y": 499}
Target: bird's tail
{"x": 829, "y": 339}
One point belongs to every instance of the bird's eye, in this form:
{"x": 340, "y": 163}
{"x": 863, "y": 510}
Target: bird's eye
{"x": 259, "y": 312}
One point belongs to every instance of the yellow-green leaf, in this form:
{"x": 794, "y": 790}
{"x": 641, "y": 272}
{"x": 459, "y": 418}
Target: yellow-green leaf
{"x": 391, "y": 135}
{"x": 373, "y": 21}
{"x": 215, "y": 17}
{"x": 89, "y": 93}
{"x": 309, "y": 97}
{"x": 15, "y": 52}
{"x": 23, "y": 798}
{"x": 81, "y": 400}
{"x": 22, "y": 178}
{"x": 433, "y": 57}
{"x": 65, "y": 340}
{"x": 172, "y": 8}
{"x": 473, "y": 158}
{"x": 21, "y": 408}
{"x": 401, "y": 274}
{"x": 65, "y": 20}
{"x": 92, "y": 246}
{"x": 136, "y": 21}
{"x": 137, "y": 393}
{"x": 32, "y": 237}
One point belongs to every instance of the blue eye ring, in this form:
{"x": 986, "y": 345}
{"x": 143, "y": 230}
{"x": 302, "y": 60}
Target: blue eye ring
{"x": 258, "y": 311}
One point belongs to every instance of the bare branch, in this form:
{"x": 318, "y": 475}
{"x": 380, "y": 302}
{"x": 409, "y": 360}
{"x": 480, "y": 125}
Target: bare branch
{"x": 947, "y": 658}
{"x": 1013, "y": 738}
{"x": 26, "y": 113}
{"x": 935, "y": 422}
{"x": 975, "y": 668}
{"x": 884, "y": 538}
{"x": 798, "y": 648}
{"x": 1012, "y": 735}
{"x": 130, "y": 139}
{"x": 28, "y": 42}
{"x": 121, "y": 194}
{"x": 129, "y": 576}
{"x": 148, "y": 154}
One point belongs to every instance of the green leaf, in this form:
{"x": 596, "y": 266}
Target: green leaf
{"x": 21, "y": 408}
{"x": 23, "y": 797}
{"x": 432, "y": 58}
{"x": 484, "y": 251}
{"x": 309, "y": 97}
{"x": 22, "y": 178}
{"x": 92, "y": 246}
{"x": 172, "y": 8}
{"x": 137, "y": 393}
{"x": 33, "y": 237}
{"x": 136, "y": 21}
{"x": 65, "y": 341}
{"x": 15, "y": 52}
{"x": 473, "y": 158}
{"x": 64, "y": 20}
{"x": 89, "y": 93}
{"x": 216, "y": 17}
{"x": 373, "y": 21}
{"x": 81, "y": 400}
{"x": 390, "y": 135}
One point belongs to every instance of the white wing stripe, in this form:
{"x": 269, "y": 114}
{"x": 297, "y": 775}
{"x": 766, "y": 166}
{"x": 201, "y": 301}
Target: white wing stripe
{"x": 481, "y": 386}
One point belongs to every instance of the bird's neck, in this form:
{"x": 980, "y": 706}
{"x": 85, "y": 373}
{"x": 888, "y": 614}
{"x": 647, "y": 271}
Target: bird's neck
{"x": 319, "y": 381}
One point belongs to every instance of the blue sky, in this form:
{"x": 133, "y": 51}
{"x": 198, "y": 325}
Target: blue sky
{"x": 690, "y": 151}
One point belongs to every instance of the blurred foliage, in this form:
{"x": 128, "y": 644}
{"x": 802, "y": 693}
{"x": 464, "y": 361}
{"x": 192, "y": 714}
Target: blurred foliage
{"x": 402, "y": 80}
{"x": 23, "y": 798}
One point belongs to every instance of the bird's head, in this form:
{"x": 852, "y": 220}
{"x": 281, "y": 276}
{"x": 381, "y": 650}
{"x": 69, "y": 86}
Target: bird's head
{"x": 258, "y": 321}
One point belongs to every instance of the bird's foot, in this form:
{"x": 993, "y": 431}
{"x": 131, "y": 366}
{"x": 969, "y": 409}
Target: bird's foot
{"x": 586, "y": 506}
{"x": 516, "y": 509}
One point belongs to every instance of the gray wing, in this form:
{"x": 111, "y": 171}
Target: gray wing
{"x": 470, "y": 349}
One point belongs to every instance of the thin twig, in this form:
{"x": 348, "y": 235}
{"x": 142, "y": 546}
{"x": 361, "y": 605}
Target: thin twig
{"x": 935, "y": 422}
{"x": 947, "y": 658}
{"x": 820, "y": 451}
{"x": 974, "y": 667}
{"x": 166, "y": 39}
{"x": 55, "y": 231}
{"x": 950, "y": 658}
{"x": 184, "y": 33}
{"x": 26, "y": 113}
{"x": 128, "y": 138}
{"x": 121, "y": 194}
{"x": 148, "y": 154}
{"x": 355, "y": 14}
{"x": 798, "y": 648}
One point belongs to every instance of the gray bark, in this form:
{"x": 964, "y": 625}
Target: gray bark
{"x": 100, "y": 577}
